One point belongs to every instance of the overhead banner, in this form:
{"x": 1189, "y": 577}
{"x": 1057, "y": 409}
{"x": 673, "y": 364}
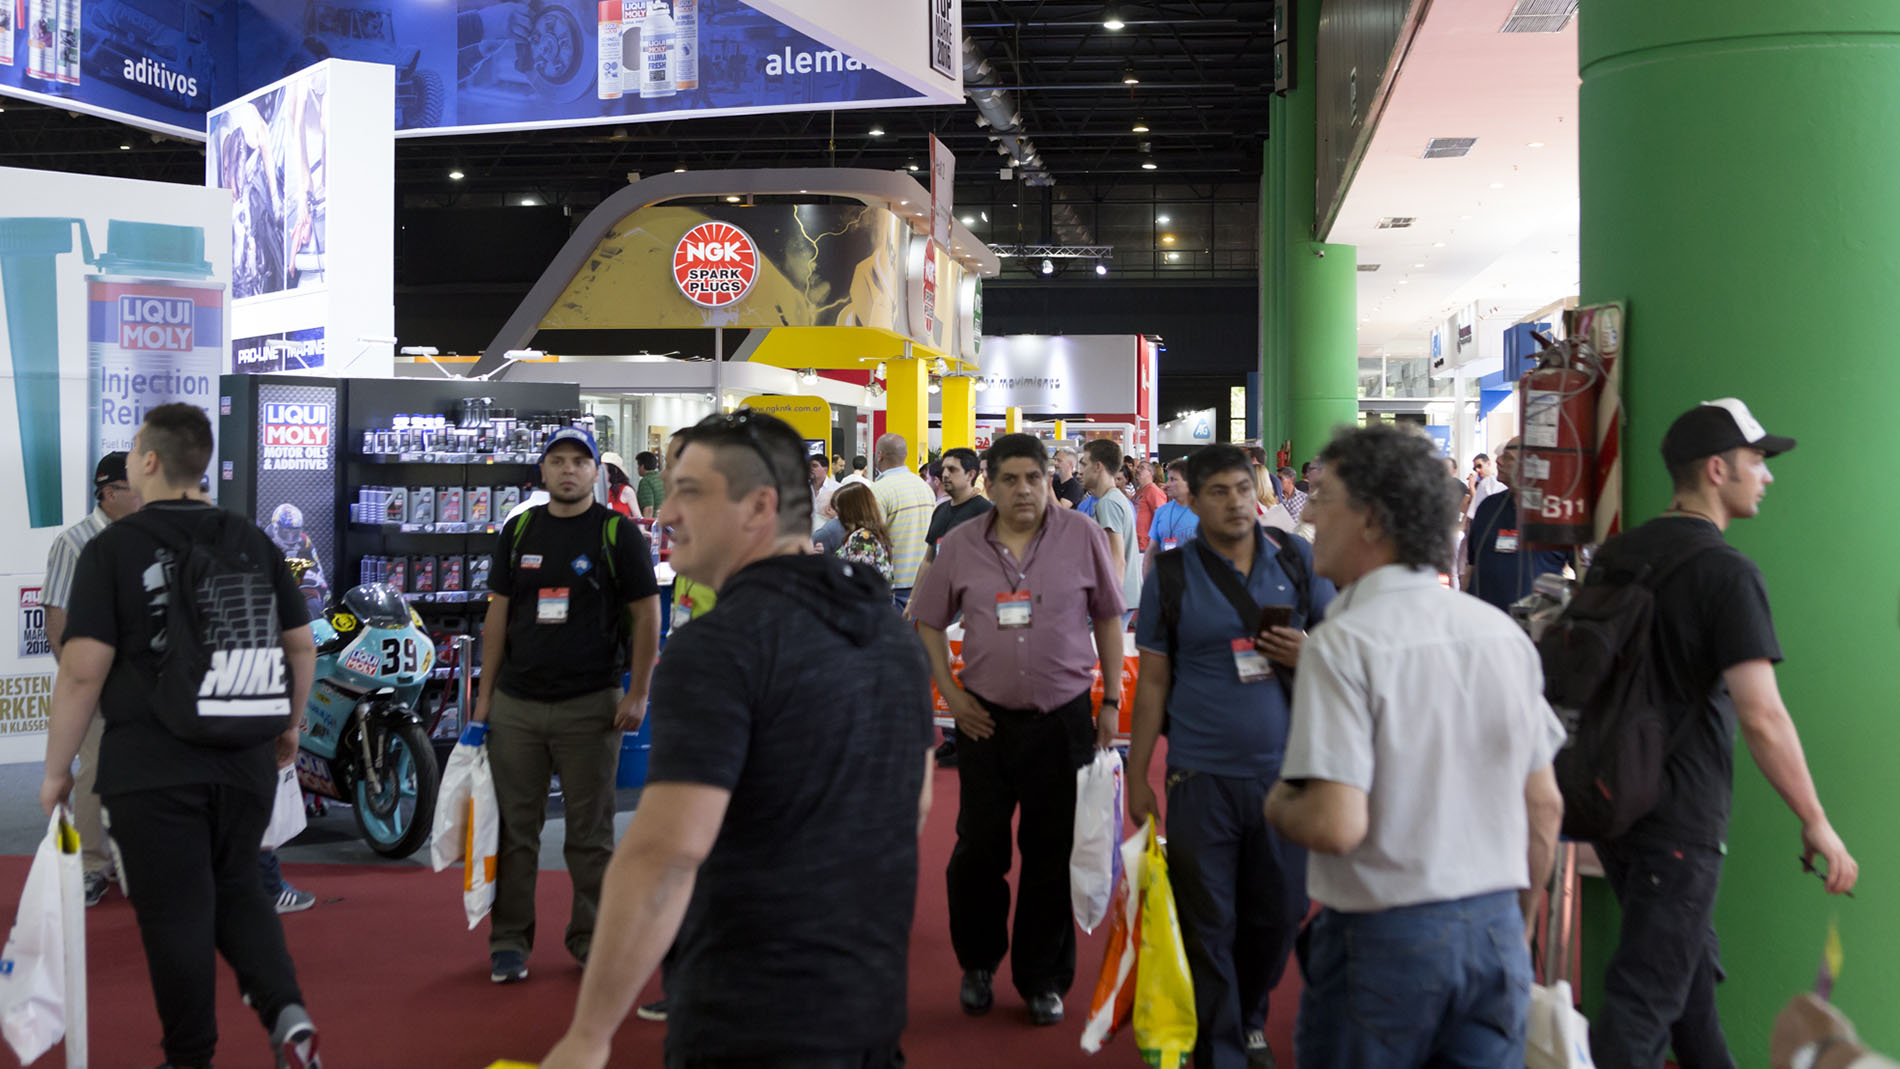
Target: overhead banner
{"x": 306, "y": 166}
{"x": 473, "y": 65}
{"x": 1059, "y": 374}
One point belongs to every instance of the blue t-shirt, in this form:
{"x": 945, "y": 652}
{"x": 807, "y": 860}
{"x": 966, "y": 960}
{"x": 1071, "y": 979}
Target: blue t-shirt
{"x": 1503, "y": 575}
{"x": 1173, "y": 522}
{"x": 1087, "y": 507}
{"x": 1219, "y": 725}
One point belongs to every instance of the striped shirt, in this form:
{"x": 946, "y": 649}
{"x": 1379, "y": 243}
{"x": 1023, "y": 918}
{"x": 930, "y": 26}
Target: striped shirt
{"x": 64, "y": 557}
{"x": 907, "y": 504}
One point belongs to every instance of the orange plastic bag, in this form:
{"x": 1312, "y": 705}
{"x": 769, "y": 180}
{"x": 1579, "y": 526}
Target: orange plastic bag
{"x": 1114, "y": 999}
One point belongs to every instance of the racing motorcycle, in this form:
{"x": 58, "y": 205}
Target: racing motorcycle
{"x": 364, "y": 743}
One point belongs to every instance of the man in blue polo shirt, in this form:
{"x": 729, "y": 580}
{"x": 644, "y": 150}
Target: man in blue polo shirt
{"x": 1220, "y": 683}
{"x": 1174, "y": 523}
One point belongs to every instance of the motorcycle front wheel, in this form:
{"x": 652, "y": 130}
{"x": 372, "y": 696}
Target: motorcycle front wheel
{"x": 396, "y": 817}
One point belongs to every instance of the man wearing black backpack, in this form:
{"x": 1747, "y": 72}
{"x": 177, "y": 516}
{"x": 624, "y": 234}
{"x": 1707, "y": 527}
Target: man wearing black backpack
{"x": 1712, "y": 651}
{"x": 1220, "y": 677}
{"x": 188, "y": 763}
{"x": 574, "y": 608}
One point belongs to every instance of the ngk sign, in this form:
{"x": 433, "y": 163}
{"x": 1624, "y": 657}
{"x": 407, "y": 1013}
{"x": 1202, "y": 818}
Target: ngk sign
{"x": 715, "y": 264}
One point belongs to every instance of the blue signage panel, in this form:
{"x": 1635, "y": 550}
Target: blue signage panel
{"x": 460, "y": 64}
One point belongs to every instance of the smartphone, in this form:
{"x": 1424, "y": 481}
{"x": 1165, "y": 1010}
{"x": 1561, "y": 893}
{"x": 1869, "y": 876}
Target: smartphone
{"x": 1276, "y": 616}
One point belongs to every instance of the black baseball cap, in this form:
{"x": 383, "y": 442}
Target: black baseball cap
{"x": 111, "y": 469}
{"x": 1716, "y": 427}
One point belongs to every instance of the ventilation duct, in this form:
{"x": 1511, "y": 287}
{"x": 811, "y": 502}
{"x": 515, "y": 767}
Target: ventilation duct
{"x": 996, "y": 109}
{"x": 1449, "y": 148}
{"x": 1540, "y": 16}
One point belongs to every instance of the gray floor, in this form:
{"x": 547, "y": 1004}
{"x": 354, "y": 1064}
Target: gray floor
{"x": 330, "y": 839}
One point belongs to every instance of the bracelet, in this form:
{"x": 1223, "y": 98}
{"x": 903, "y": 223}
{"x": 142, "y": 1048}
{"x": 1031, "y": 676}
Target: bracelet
{"x": 1116, "y": 702}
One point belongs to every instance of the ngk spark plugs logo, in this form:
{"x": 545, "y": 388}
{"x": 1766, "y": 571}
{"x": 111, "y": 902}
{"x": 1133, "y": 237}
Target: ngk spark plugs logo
{"x": 156, "y": 324}
{"x": 296, "y": 437}
{"x": 715, "y": 264}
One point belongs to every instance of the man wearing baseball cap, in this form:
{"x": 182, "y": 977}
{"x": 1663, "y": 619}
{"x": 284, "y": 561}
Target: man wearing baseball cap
{"x": 114, "y": 500}
{"x": 1714, "y": 647}
{"x": 573, "y": 607}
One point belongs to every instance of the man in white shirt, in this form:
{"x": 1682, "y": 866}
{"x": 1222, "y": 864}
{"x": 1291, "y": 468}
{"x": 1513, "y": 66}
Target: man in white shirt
{"x": 822, "y": 487}
{"x": 907, "y": 504}
{"x": 1418, "y": 774}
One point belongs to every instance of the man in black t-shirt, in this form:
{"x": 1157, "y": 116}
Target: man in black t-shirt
{"x": 186, "y": 818}
{"x": 1498, "y": 567}
{"x": 574, "y": 607}
{"x": 1714, "y": 647}
{"x": 1065, "y": 484}
{"x": 777, "y": 834}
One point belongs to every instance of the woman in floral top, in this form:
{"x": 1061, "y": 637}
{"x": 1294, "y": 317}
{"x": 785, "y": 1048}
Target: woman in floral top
{"x": 866, "y": 540}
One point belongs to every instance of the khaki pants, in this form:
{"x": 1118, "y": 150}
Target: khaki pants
{"x": 528, "y": 741}
{"x": 95, "y": 850}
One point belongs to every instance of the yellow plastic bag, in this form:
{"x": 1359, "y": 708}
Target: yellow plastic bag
{"x": 1164, "y": 992}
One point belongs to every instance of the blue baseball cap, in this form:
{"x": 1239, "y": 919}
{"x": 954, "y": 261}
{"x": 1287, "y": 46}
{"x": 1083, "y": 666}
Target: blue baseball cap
{"x": 580, "y": 436}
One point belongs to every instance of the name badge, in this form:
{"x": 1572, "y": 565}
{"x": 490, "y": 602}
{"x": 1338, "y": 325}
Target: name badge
{"x": 1169, "y": 543}
{"x": 552, "y": 606}
{"x": 1012, "y": 610}
{"x": 1249, "y": 663}
{"x": 682, "y": 612}
{"x": 1507, "y": 542}
{"x": 531, "y": 560}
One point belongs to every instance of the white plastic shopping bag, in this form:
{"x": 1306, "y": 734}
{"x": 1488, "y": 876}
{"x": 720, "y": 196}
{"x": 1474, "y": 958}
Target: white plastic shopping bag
{"x": 43, "y": 969}
{"x": 1559, "y": 1036}
{"x": 1113, "y": 1003}
{"x": 468, "y": 823}
{"x": 287, "y": 819}
{"x": 1095, "y": 859}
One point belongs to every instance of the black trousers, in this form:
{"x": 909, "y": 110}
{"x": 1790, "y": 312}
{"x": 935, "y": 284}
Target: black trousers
{"x": 1659, "y": 988}
{"x": 189, "y": 857}
{"x": 1029, "y": 762}
{"x": 883, "y": 1057}
{"x": 1241, "y": 892}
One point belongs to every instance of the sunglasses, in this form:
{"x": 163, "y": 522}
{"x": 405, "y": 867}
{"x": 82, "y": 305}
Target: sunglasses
{"x": 743, "y": 423}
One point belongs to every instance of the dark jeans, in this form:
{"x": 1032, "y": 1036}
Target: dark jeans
{"x": 1030, "y": 761}
{"x": 885, "y": 1057}
{"x": 190, "y": 865}
{"x": 1241, "y": 893}
{"x": 1440, "y": 984}
{"x": 1659, "y": 989}
{"x": 528, "y": 742}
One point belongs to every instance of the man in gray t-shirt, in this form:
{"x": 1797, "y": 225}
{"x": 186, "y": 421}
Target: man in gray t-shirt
{"x": 1115, "y": 513}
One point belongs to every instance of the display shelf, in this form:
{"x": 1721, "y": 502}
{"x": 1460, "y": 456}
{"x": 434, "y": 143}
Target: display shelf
{"x": 428, "y": 528}
{"x": 446, "y": 597}
{"x": 446, "y": 459}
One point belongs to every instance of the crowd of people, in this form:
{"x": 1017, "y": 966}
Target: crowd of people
{"x": 1342, "y": 730}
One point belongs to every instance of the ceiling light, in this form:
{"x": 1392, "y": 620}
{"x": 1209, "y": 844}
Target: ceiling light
{"x": 1162, "y": 219}
{"x": 679, "y": 170}
{"x": 1167, "y": 239}
{"x": 1536, "y": 144}
{"x": 1405, "y": 282}
{"x": 1173, "y": 256}
{"x": 933, "y": 387}
{"x": 1148, "y": 165}
{"x": 1418, "y": 265}
{"x": 125, "y": 147}
{"x": 940, "y": 368}
{"x": 1438, "y": 244}
{"x": 984, "y": 215}
{"x": 911, "y": 167}
{"x": 1464, "y": 217}
{"x": 808, "y": 376}
{"x": 732, "y": 200}
{"x": 1113, "y": 21}
{"x": 1129, "y": 77}
{"x": 1101, "y": 269}
{"x": 1141, "y": 126}
{"x": 980, "y": 385}
{"x": 1048, "y": 267}
{"x": 1497, "y": 185}
{"x": 877, "y": 131}
{"x": 456, "y": 175}
{"x": 529, "y": 202}
{"x": 969, "y": 220}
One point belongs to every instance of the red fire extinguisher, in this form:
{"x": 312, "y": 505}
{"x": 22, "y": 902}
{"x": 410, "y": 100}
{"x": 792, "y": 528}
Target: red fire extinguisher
{"x": 1556, "y": 478}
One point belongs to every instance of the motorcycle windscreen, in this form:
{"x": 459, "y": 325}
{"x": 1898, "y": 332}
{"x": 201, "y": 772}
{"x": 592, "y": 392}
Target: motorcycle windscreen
{"x": 377, "y": 605}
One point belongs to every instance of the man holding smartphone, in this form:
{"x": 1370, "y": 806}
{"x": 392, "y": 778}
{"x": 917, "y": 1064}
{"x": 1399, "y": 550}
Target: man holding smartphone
{"x": 1220, "y": 629}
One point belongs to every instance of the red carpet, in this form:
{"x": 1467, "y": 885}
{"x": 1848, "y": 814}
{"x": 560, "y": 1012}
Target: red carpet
{"x": 394, "y": 979}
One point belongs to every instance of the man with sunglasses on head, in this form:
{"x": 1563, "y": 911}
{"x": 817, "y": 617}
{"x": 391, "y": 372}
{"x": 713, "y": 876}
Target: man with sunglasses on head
{"x": 115, "y": 499}
{"x": 573, "y": 607}
{"x": 775, "y": 847}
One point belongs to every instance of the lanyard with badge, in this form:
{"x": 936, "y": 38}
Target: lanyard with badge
{"x": 1012, "y": 609}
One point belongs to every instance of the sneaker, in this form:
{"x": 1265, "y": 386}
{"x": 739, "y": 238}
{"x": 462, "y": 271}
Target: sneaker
{"x": 1259, "y": 1054}
{"x": 507, "y": 966}
{"x": 1045, "y": 1009}
{"x": 291, "y": 900}
{"x": 294, "y": 1039}
{"x": 652, "y": 1011}
{"x": 97, "y": 884}
{"x": 947, "y": 754}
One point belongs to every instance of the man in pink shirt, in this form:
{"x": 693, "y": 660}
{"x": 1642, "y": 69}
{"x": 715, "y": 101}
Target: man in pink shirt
{"x": 1148, "y": 498}
{"x": 1033, "y": 582}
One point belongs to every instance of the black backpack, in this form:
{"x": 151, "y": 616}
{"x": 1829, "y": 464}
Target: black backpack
{"x": 1601, "y": 678}
{"x": 1171, "y": 586}
{"x": 221, "y": 680}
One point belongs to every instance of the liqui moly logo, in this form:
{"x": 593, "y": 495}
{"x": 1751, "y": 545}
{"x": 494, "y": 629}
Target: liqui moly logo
{"x": 156, "y": 324}
{"x": 296, "y": 424}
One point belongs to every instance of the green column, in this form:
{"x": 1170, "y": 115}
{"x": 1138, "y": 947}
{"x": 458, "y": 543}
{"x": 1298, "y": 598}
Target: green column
{"x": 1738, "y": 188}
{"x": 1309, "y": 370}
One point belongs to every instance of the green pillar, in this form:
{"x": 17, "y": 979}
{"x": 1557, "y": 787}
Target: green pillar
{"x": 1309, "y": 370}
{"x": 1738, "y": 163}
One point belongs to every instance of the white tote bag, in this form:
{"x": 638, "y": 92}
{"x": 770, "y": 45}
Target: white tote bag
{"x": 468, "y": 822}
{"x": 1559, "y": 1036}
{"x": 43, "y": 969}
{"x": 287, "y": 819}
{"x": 1094, "y": 860}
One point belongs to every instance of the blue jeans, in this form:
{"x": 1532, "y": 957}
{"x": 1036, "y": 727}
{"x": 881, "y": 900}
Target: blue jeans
{"x": 1441, "y": 984}
{"x": 901, "y": 597}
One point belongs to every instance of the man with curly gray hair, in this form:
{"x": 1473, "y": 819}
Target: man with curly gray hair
{"x": 1418, "y": 774}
